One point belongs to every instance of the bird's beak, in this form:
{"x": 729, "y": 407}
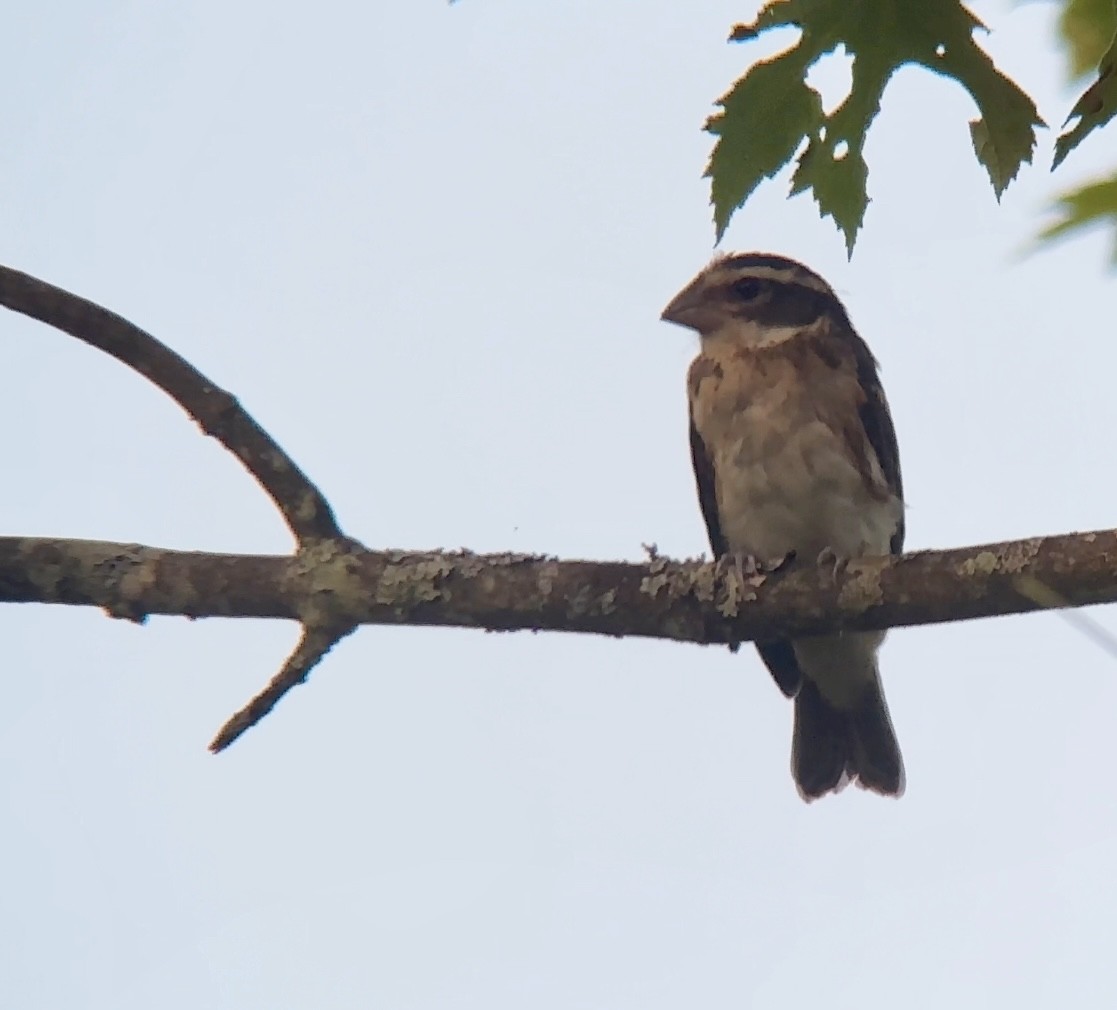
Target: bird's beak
{"x": 685, "y": 309}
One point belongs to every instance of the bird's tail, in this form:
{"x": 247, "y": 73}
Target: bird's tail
{"x": 831, "y": 745}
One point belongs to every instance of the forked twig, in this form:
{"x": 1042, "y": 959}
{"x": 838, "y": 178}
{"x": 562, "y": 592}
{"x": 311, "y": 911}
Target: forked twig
{"x": 304, "y": 508}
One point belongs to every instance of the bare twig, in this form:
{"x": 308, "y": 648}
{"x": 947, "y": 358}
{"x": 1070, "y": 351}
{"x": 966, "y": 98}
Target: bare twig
{"x": 305, "y": 510}
{"x": 313, "y": 645}
{"x": 1030, "y": 586}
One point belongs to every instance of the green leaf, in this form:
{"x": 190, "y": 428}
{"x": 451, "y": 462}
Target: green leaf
{"x": 768, "y": 115}
{"x": 1087, "y": 27}
{"x": 1086, "y": 207}
{"x": 837, "y": 181}
{"x": 1096, "y": 107}
{"x": 758, "y": 137}
{"x": 1005, "y": 135}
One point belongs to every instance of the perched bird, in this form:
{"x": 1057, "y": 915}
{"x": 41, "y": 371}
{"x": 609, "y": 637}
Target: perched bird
{"x": 794, "y": 451}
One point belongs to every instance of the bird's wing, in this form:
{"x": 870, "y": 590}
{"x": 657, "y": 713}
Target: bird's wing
{"x": 876, "y": 419}
{"x": 707, "y": 494}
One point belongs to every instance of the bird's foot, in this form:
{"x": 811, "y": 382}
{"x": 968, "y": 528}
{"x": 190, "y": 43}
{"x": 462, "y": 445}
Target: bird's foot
{"x": 747, "y": 566}
{"x": 832, "y": 562}
{"x": 740, "y": 564}
{"x": 740, "y": 574}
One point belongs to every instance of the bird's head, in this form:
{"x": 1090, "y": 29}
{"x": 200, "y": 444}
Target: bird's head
{"x": 758, "y": 297}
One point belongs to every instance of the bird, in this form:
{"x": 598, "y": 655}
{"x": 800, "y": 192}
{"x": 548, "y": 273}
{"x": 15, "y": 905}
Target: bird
{"x": 795, "y": 453}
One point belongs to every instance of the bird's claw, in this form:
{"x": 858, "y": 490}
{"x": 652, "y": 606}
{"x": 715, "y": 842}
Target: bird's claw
{"x": 828, "y": 558}
{"x": 740, "y": 564}
{"x": 747, "y": 566}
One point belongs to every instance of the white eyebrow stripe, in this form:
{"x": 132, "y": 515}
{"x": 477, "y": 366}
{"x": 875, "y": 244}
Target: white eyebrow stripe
{"x": 789, "y": 275}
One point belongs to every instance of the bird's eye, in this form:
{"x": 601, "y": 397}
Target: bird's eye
{"x": 748, "y": 288}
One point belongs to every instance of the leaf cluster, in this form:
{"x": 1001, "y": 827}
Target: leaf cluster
{"x": 772, "y": 113}
{"x": 1089, "y": 32}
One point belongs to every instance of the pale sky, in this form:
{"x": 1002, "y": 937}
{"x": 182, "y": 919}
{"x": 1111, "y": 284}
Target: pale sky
{"x": 427, "y": 246}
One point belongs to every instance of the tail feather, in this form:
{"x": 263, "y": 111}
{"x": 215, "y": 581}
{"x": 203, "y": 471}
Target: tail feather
{"x": 832, "y": 746}
{"x": 875, "y": 752}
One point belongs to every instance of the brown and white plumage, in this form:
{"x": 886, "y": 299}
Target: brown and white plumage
{"x": 794, "y": 450}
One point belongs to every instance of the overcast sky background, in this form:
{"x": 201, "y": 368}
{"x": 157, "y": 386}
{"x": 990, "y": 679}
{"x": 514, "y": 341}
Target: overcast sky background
{"x": 427, "y": 246}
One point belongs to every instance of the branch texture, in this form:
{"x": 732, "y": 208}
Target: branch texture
{"x": 335, "y": 586}
{"x": 304, "y": 509}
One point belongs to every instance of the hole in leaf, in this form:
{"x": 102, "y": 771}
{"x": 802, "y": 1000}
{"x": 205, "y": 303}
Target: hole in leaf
{"x": 940, "y": 50}
{"x": 832, "y": 78}
{"x": 841, "y": 149}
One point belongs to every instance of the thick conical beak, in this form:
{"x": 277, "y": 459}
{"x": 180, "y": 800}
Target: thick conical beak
{"x": 686, "y": 308}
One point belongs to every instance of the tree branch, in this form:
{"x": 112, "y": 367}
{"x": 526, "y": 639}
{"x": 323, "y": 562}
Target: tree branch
{"x": 304, "y": 509}
{"x": 334, "y": 586}
{"x": 312, "y": 647}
